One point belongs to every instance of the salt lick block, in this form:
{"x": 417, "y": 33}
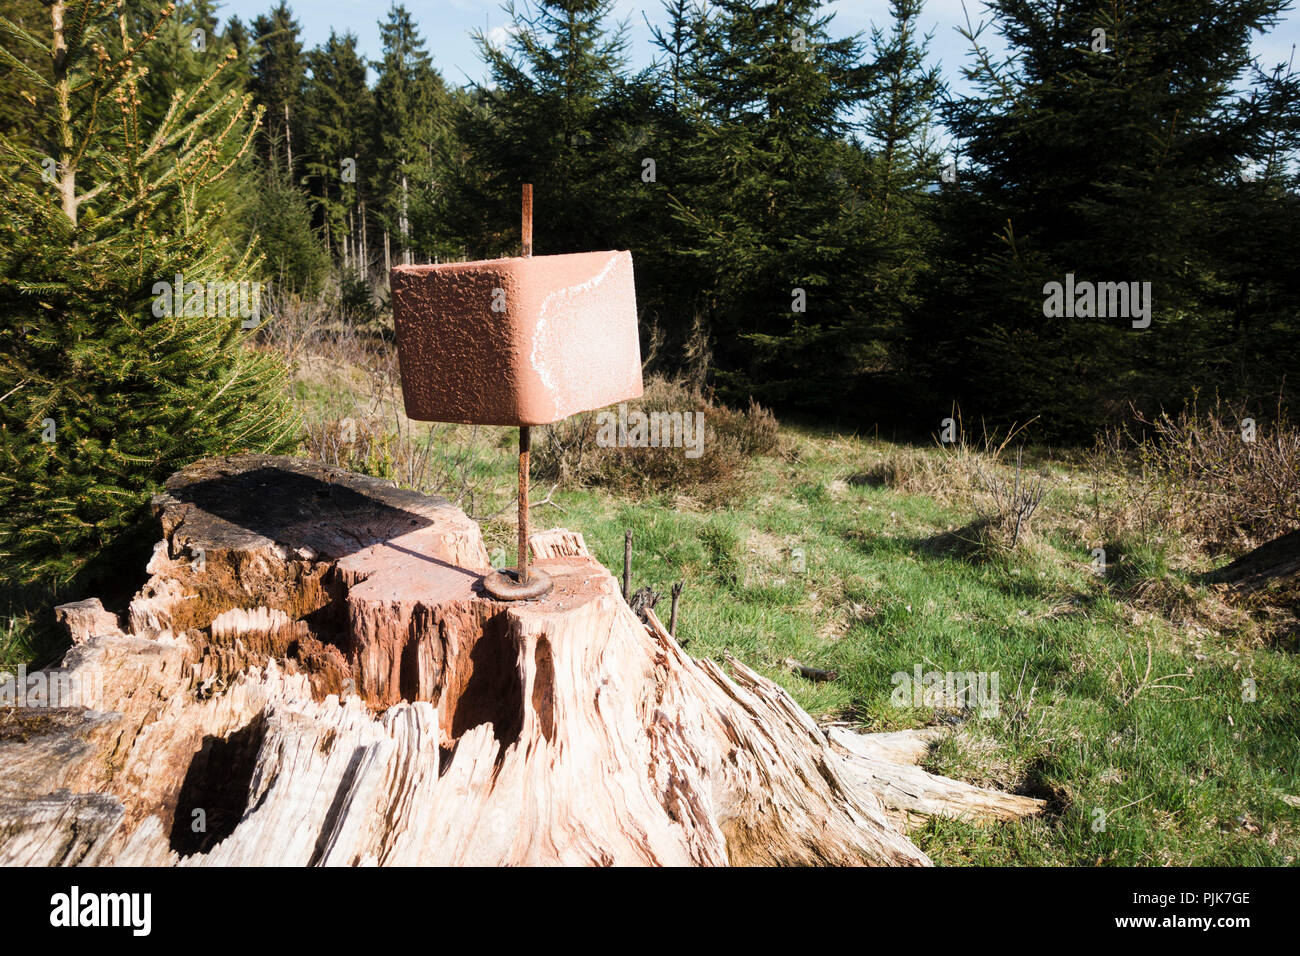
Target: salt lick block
{"x": 524, "y": 341}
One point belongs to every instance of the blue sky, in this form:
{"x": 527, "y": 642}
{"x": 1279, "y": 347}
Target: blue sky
{"x": 446, "y": 26}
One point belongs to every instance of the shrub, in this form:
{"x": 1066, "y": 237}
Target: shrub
{"x": 575, "y": 451}
{"x": 1013, "y": 499}
{"x": 1199, "y": 474}
{"x": 338, "y": 323}
{"x": 1217, "y": 485}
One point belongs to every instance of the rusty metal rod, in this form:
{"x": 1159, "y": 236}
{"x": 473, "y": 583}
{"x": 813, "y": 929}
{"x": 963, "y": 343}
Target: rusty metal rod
{"x": 525, "y": 445}
{"x": 528, "y": 220}
{"x": 525, "y": 432}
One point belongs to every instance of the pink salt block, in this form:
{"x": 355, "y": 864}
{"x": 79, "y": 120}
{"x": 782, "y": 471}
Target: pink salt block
{"x": 524, "y": 341}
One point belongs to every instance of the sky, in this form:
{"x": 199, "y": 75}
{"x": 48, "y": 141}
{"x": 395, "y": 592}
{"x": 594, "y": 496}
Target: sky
{"x": 446, "y": 27}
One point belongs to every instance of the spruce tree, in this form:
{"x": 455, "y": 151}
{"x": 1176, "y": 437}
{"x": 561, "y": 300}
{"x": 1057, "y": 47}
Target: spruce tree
{"x": 557, "y": 114}
{"x": 901, "y": 165}
{"x": 413, "y": 131}
{"x": 238, "y": 36}
{"x": 294, "y": 259}
{"x": 767, "y": 236}
{"x": 104, "y": 390}
{"x": 188, "y": 47}
{"x": 1254, "y": 245}
{"x": 1095, "y": 150}
{"x": 671, "y": 301}
{"x": 278, "y": 74}
{"x": 339, "y": 161}
{"x": 680, "y": 42}
{"x": 189, "y": 44}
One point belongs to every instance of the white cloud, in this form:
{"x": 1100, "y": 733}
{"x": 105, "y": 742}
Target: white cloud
{"x": 498, "y": 36}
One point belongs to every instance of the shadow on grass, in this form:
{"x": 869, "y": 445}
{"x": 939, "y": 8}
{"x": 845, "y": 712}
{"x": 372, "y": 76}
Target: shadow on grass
{"x": 971, "y": 545}
{"x": 1035, "y": 784}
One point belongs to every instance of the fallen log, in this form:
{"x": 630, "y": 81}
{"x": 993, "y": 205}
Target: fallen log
{"x": 313, "y": 675}
{"x": 884, "y": 764}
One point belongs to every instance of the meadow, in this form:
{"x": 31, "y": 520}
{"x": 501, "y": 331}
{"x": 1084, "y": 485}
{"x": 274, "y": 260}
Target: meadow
{"x": 1154, "y": 712}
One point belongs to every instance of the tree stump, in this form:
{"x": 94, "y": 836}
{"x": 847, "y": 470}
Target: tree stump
{"x": 313, "y": 676}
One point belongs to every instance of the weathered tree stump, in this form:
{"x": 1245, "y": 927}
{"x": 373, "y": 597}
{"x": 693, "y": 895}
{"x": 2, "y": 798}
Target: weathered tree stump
{"x": 314, "y": 676}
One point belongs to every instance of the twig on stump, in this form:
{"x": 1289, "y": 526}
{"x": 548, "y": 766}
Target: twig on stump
{"x": 642, "y": 601}
{"x": 672, "y": 616}
{"x": 627, "y": 565}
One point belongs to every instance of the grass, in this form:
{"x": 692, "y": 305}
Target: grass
{"x": 1122, "y": 699}
{"x": 28, "y": 635}
{"x": 1181, "y": 768}
{"x": 1125, "y": 698}
{"x": 17, "y": 642}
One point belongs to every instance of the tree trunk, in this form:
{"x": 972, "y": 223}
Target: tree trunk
{"x": 405, "y": 224}
{"x": 288, "y": 142}
{"x": 66, "y": 170}
{"x": 313, "y": 676}
{"x": 365, "y": 245}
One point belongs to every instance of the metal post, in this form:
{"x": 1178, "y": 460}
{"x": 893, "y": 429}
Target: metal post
{"x": 525, "y": 443}
{"x": 525, "y": 432}
{"x": 524, "y": 585}
{"x": 528, "y": 220}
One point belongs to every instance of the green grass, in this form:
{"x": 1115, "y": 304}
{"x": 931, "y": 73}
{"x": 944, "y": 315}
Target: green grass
{"x": 1177, "y": 764}
{"x": 1121, "y": 696}
{"x": 20, "y": 643}
{"x": 815, "y": 562}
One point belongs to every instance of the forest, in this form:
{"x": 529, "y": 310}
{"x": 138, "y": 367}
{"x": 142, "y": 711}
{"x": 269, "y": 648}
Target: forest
{"x": 818, "y": 221}
{"x": 991, "y": 364}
